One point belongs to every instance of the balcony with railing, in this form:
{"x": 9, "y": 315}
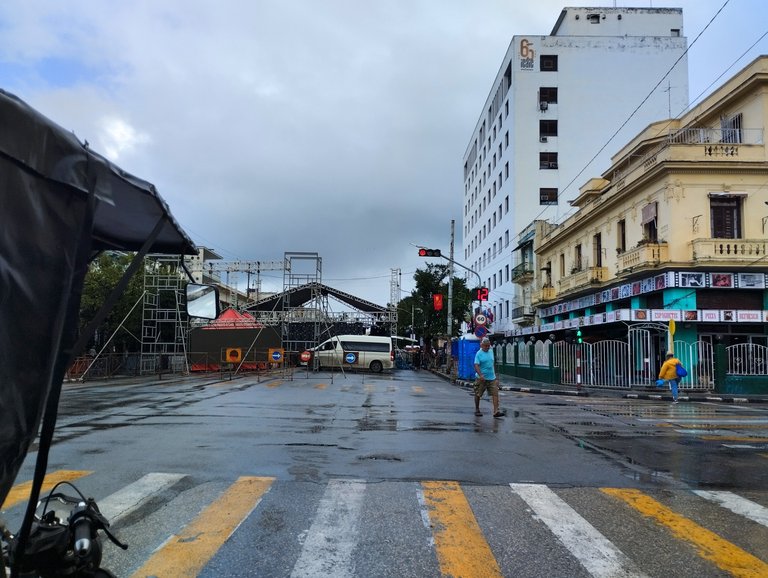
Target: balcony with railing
{"x": 644, "y": 256}
{"x": 522, "y": 314}
{"x": 696, "y": 144}
{"x": 522, "y": 273}
{"x": 582, "y": 277}
{"x": 730, "y": 251}
{"x": 546, "y": 293}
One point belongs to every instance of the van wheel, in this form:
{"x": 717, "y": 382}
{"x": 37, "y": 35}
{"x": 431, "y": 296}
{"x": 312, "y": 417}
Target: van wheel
{"x": 376, "y": 366}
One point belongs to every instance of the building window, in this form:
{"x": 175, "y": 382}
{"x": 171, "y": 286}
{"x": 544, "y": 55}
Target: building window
{"x": 731, "y": 128}
{"x": 506, "y": 139}
{"x": 648, "y": 221}
{"x": 597, "y": 250}
{"x": 593, "y": 18}
{"x": 548, "y": 62}
{"x": 548, "y": 94}
{"x": 725, "y": 213}
{"x": 547, "y": 128}
{"x": 621, "y": 236}
{"x": 547, "y": 196}
{"x": 506, "y": 204}
{"x": 562, "y": 264}
{"x": 547, "y": 160}
{"x": 577, "y": 263}
{"x": 506, "y": 170}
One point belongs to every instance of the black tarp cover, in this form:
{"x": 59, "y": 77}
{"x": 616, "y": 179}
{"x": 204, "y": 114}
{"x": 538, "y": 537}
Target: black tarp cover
{"x": 59, "y": 202}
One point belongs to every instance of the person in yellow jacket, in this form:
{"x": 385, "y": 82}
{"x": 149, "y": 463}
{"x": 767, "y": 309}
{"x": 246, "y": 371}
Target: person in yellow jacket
{"x": 668, "y": 373}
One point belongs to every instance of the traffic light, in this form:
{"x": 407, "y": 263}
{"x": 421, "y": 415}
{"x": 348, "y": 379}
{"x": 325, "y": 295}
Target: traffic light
{"x": 481, "y": 294}
{"x": 578, "y": 337}
{"x": 429, "y": 252}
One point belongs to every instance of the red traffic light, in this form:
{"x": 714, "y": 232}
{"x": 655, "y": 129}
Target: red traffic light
{"x": 429, "y": 252}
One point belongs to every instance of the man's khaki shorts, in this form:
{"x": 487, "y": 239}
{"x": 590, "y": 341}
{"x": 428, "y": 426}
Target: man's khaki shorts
{"x": 483, "y": 385}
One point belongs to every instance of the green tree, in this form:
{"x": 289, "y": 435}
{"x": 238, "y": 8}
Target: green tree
{"x": 103, "y": 275}
{"x": 418, "y": 310}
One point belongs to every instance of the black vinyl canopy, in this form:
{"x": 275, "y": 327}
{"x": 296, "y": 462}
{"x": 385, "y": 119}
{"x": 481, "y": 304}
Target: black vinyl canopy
{"x": 59, "y": 203}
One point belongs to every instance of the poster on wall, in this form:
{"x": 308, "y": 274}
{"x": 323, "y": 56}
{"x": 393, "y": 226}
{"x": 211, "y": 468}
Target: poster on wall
{"x": 721, "y": 280}
{"x": 639, "y": 315}
{"x": 648, "y": 285}
{"x": 692, "y": 280}
{"x": 660, "y": 281}
{"x": 751, "y": 280}
{"x": 691, "y": 315}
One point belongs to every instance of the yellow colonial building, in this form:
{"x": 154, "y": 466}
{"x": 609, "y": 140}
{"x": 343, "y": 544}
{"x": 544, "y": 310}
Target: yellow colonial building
{"x": 675, "y": 231}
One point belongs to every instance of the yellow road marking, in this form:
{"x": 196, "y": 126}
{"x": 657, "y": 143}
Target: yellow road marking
{"x": 417, "y": 389}
{"x": 724, "y": 554}
{"x": 461, "y": 547}
{"x": 20, "y": 492}
{"x": 763, "y": 455}
{"x": 276, "y": 383}
{"x": 186, "y": 553}
{"x": 321, "y": 385}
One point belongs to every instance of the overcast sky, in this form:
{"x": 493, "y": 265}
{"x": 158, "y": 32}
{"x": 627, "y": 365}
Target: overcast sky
{"x": 335, "y": 126}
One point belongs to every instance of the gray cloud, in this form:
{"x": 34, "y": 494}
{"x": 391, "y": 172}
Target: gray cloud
{"x": 269, "y": 126}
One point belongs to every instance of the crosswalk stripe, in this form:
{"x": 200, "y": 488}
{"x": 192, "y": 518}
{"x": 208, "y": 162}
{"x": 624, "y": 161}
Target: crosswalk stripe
{"x": 331, "y": 539}
{"x": 131, "y": 497}
{"x": 20, "y": 492}
{"x": 593, "y": 550}
{"x": 737, "y": 505}
{"x": 724, "y": 554}
{"x": 185, "y": 554}
{"x": 461, "y": 547}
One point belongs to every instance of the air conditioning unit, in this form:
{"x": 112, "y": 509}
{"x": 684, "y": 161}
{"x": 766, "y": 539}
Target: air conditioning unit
{"x": 542, "y": 139}
{"x": 552, "y": 165}
{"x": 543, "y": 105}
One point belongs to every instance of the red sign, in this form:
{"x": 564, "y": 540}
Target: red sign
{"x": 437, "y": 301}
{"x": 305, "y": 356}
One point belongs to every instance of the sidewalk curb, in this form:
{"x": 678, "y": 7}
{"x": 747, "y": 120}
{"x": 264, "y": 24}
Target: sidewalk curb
{"x": 712, "y": 398}
{"x": 650, "y": 396}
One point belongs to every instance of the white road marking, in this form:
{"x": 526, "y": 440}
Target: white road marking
{"x": 424, "y": 511}
{"x": 737, "y": 505}
{"x": 593, "y": 550}
{"x": 332, "y": 537}
{"x": 132, "y": 496}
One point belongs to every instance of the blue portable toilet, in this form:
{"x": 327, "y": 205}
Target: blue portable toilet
{"x": 468, "y": 346}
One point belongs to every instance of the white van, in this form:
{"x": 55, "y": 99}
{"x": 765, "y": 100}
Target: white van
{"x": 357, "y": 351}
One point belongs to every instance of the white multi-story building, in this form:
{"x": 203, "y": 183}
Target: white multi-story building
{"x": 559, "y": 106}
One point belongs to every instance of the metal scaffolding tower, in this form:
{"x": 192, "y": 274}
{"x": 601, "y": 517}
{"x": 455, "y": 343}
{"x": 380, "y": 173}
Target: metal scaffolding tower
{"x": 163, "y": 337}
{"x": 302, "y": 269}
{"x": 394, "y": 299}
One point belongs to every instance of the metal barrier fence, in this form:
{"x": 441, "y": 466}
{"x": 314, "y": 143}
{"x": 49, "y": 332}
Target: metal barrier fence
{"x": 613, "y": 363}
{"x": 747, "y": 359}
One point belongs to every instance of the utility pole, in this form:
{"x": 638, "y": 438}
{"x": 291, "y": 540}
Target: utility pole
{"x": 449, "y": 331}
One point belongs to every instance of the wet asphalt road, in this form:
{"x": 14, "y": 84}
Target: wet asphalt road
{"x": 394, "y": 433}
